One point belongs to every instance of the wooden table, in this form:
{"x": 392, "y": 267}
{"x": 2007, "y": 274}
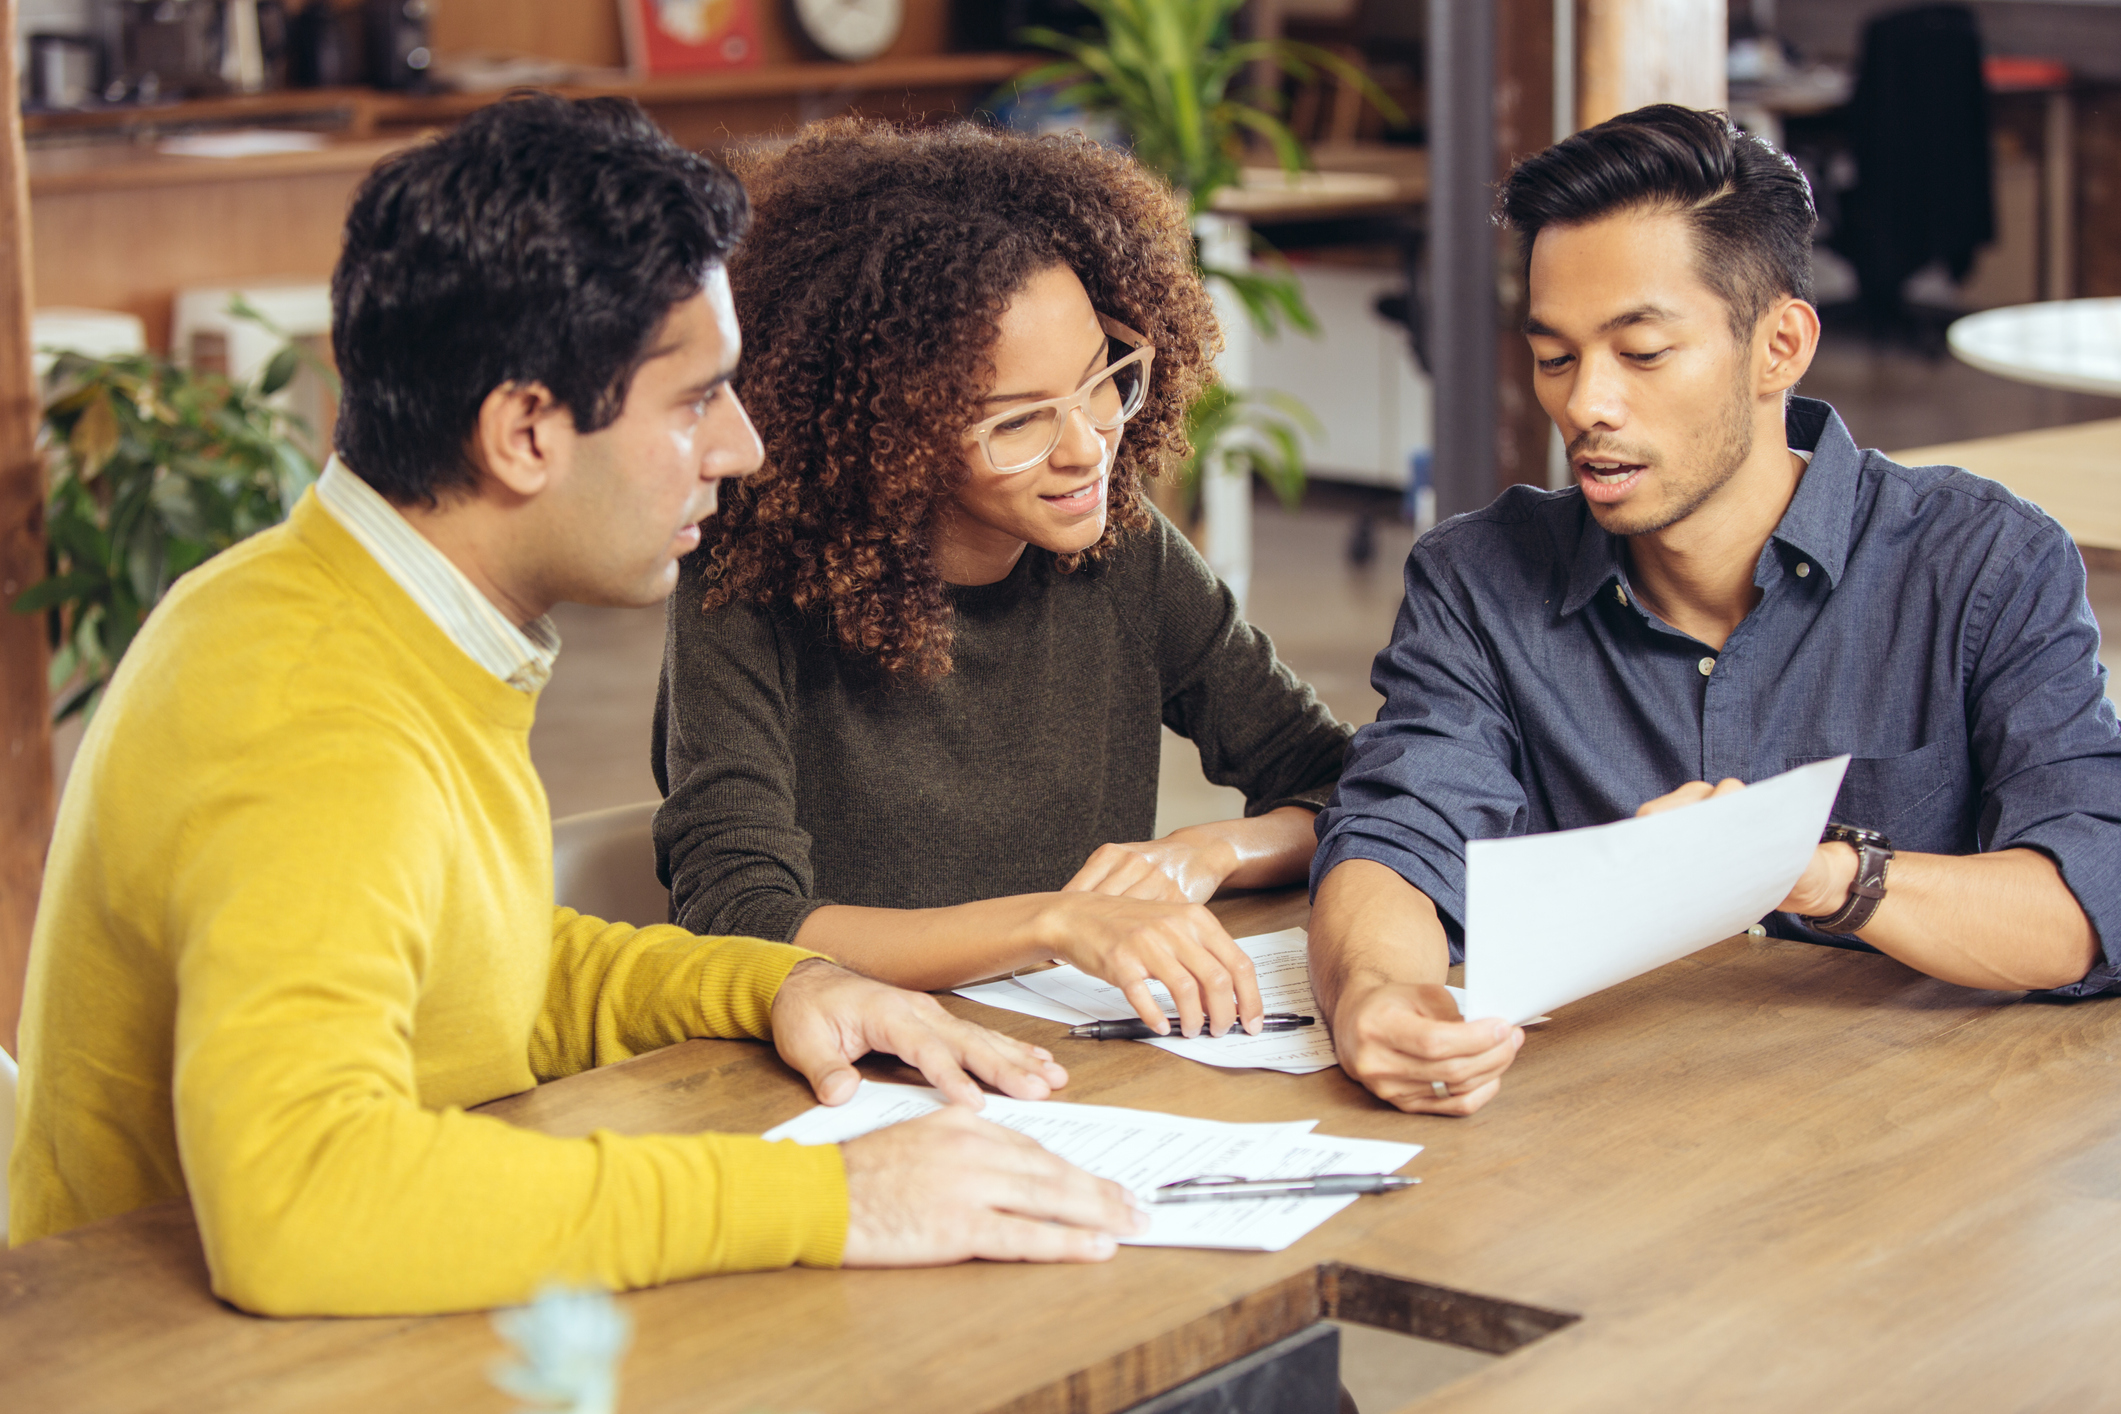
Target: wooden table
{"x": 2072, "y": 473}
{"x": 1767, "y": 1177}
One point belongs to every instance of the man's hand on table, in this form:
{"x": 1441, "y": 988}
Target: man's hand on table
{"x": 826, "y": 1018}
{"x": 950, "y": 1186}
{"x": 1399, "y": 1039}
{"x": 1378, "y": 959}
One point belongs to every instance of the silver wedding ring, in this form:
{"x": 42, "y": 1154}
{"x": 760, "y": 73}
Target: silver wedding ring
{"x": 1440, "y": 1090}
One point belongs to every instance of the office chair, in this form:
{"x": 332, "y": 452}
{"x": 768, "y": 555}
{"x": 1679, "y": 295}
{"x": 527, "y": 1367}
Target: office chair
{"x": 603, "y": 864}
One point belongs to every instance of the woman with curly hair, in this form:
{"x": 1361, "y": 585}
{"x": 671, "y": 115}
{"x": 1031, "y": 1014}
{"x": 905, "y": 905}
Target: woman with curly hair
{"x": 915, "y": 674}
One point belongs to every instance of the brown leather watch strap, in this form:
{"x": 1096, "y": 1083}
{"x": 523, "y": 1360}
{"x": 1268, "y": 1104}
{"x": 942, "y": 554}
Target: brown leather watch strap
{"x": 1874, "y": 854}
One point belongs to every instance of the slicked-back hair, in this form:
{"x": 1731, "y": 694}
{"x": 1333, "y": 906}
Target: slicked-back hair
{"x": 1748, "y": 206}
{"x": 543, "y": 241}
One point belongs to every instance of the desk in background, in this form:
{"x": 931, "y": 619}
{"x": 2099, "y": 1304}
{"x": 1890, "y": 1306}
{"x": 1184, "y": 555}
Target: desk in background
{"x": 1766, "y": 1177}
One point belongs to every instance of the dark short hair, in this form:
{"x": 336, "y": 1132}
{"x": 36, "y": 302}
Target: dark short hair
{"x": 1749, "y": 207}
{"x": 542, "y": 241}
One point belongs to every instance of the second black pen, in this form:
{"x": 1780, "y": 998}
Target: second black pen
{"x": 1135, "y": 1029}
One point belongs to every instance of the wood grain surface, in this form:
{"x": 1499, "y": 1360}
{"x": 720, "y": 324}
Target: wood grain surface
{"x": 25, "y": 710}
{"x": 1766, "y": 1177}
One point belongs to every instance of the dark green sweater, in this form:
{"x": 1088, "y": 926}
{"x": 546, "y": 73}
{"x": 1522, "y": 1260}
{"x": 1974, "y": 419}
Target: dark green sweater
{"x": 792, "y": 778}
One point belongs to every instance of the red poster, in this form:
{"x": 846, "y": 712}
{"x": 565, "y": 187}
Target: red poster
{"x": 690, "y": 36}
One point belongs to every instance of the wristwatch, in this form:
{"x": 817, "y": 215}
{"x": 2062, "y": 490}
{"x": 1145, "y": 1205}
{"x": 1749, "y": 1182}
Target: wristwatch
{"x": 1874, "y": 852}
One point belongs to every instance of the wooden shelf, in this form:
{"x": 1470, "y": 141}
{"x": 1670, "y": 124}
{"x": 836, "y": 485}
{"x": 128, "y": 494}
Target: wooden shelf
{"x": 364, "y": 111}
{"x": 124, "y": 167}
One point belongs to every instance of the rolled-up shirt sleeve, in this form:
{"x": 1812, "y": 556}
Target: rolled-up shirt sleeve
{"x": 2044, "y": 736}
{"x": 1438, "y": 766}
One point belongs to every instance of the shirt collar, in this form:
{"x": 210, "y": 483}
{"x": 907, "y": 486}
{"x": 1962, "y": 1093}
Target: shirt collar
{"x": 521, "y": 657}
{"x": 1818, "y": 523}
{"x": 1822, "y": 515}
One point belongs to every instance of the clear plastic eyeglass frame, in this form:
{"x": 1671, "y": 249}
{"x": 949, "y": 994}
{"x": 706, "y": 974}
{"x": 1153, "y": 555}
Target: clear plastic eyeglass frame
{"x": 1018, "y": 429}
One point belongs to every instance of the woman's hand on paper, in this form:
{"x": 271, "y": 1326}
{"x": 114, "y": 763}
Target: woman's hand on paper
{"x": 1128, "y": 942}
{"x": 950, "y": 1186}
{"x": 1400, "y": 1039}
{"x": 826, "y": 1018}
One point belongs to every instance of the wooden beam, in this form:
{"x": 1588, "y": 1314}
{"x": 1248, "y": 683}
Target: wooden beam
{"x": 25, "y": 712}
{"x": 1651, "y": 51}
{"x": 1524, "y": 124}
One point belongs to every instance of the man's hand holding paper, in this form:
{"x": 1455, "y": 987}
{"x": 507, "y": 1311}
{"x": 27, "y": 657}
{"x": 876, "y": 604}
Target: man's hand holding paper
{"x": 1551, "y": 918}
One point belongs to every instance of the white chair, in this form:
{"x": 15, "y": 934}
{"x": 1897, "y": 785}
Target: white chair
{"x": 603, "y": 864}
{"x": 7, "y": 1133}
{"x": 98, "y": 333}
{"x": 207, "y": 338}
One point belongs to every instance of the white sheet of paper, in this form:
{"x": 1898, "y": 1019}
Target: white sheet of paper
{"x": 1281, "y": 964}
{"x": 1009, "y": 994}
{"x": 1554, "y": 917}
{"x": 1143, "y": 1149}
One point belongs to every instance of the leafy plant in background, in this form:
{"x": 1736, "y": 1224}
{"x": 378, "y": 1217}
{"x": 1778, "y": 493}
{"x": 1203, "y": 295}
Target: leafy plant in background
{"x": 1250, "y": 432}
{"x": 154, "y": 469}
{"x": 1166, "y": 71}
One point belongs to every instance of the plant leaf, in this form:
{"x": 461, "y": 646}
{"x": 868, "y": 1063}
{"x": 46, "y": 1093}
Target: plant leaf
{"x": 94, "y": 437}
{"x": 280, "y": 371}
{"x": 83, "y": 698}
{"x": 56, "y": 589}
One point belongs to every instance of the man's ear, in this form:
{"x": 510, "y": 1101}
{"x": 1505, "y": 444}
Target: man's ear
{"x": 521, "y": 437}
{"x": 1792, "y": 328}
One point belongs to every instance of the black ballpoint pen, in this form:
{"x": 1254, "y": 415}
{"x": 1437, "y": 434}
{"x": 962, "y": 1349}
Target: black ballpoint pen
{"x": 1135, "y": 1029}
{"x": 1324, "y": 1185}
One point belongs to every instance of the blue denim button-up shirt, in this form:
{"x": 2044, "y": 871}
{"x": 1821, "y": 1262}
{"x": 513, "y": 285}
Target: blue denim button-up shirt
{"x": 1923, "y": 620}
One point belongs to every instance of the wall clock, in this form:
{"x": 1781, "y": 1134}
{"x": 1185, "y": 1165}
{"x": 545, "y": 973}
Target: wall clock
{"x": 851, "y": 30}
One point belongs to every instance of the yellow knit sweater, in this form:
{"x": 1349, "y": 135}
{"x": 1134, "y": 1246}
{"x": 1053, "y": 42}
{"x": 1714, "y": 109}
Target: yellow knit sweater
{"x": 298, "y": 914}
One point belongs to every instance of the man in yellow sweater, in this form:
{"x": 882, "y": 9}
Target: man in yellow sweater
{"x": 298, "y": 912}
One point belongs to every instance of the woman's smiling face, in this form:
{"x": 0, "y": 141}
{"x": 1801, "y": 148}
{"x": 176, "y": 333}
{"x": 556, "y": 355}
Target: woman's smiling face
{"x": 1049, "y": 344}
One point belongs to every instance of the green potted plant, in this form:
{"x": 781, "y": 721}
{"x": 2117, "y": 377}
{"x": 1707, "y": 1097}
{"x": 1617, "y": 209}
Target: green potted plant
{"x": 1168, "y": 72}
{"x": 154, "y": 468}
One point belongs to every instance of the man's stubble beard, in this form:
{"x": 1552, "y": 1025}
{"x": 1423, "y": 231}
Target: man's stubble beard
{"x": 1732, "y": 445}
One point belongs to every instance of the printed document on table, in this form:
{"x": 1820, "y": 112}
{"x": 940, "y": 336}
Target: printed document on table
{"x": 1142, "y": 1150}
{"x": 1279, "y": 961}
{"x": 1011, "y": 994}
{"x": 1554, "y": 917}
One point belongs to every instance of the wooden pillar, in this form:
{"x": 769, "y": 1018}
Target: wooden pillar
{"x": 1524, "y": 124}
{"x": 25, "y": 713}
{"x": 1651, "y": 51}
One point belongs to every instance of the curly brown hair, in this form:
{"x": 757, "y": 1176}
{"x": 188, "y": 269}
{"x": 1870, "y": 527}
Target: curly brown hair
{"x": 878, "y": 263}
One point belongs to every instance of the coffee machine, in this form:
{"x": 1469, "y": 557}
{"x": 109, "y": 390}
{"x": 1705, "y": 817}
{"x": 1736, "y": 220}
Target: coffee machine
{"x": 162, "y": 49}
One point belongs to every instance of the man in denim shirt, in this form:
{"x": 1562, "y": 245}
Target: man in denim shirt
{"x": 1730, "y": 589}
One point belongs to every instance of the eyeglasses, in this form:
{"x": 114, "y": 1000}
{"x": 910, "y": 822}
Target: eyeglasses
{"x": 1025, "y": 435}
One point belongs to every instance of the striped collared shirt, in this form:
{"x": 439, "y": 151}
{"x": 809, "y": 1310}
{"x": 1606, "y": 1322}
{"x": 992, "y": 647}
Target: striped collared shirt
{"x": 521, "y": 657}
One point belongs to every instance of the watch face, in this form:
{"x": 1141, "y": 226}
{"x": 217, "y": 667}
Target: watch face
{"x": 852, "y": 30}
